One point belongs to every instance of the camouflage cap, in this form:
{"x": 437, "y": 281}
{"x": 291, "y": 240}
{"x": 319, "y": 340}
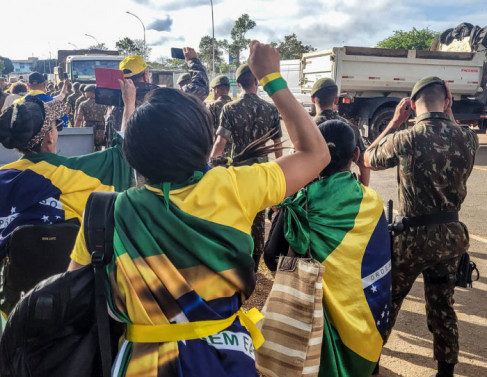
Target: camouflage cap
{"x": 244, "y": 68}
{"x": 423, "y": 83}
{"x": 82, "y": 87}
{"x": 132, "y": 65}
{"x": 90, "y": 88}
{"x": 321, "y": 84}
{"x": 219, "y": 80}
{"x": 183, "y": 77}
{"x": 76, "y": 85}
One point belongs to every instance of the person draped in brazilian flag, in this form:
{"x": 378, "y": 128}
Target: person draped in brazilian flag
{"x": 182, "y": 246}
{"x": 43, "y": 187}
{"x": 346, "y": 229}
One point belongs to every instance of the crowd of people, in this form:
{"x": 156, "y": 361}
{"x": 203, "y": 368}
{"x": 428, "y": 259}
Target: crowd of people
{"x": 195, "y": 181}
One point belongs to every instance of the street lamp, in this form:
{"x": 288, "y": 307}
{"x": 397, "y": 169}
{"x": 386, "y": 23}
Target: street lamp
{"x": 142, "y": 26}
{"x": 96, "y": 40}
{"x": 72, "y": 44}
{"x": 213, "y": 40}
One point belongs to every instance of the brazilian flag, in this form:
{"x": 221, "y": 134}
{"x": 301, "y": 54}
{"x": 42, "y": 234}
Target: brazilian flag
{"x": 346, "y": 229}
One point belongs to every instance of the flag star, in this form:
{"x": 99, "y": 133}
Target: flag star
{"x": 374, "y": 288}
{"x": 385, "y": 307}
{"x": 383, "y": 314}
{"x": 12, "y": 210}
{"x": 58, "y": 217}
{"x": 378, "y": 323}
{"x": 45, "y": 218}
{"x": 388, "y": 313}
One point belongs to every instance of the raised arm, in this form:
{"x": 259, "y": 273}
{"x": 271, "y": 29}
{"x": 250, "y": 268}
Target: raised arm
{"x": 312, "y": 153}
{"x": 128, "y": 96}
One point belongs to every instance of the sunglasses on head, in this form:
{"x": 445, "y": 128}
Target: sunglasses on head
{"x": 59, "y": 125}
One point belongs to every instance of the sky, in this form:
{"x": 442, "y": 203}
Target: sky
{"x": 40, "y": 28}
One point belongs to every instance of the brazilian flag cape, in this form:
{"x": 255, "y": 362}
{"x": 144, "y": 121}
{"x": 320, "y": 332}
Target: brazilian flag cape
{"x": 346, "y": 229}
{"x": 45, "y": 188}
{"x": 174, "y": 268}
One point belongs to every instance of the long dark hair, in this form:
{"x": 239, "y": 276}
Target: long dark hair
{"x": 341, "y": 143}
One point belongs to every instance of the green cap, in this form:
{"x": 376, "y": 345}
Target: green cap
{"x": 219, "y": 80}
{"x": 321, "y": 84}
{"x": 184, "y": 77}
{"x": 423, "y": 83}
{"x": 90, "y": 88}
{"x": 244, "y": 68}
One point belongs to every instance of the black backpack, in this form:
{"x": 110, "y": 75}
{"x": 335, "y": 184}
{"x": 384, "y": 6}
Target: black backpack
{"x": 61, "y": 328}
{"x": 465, "y": 272}
{"x": 35, "y": 252}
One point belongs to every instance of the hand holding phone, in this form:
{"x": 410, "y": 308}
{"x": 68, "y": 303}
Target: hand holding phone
{"x": 177, "y": 53}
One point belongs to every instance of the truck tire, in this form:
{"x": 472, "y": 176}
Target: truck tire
{"x": 380, "y": 120}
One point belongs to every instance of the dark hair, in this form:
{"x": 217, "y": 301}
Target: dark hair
{"x": 18, "y": 88}
{"x": 341, "y": 143}
{"x": 325, "y": 97}
{"x": 135, "y": 78}
{"x": 28, "y": 120}
{"x": 246, "y": 80}
{"x": 431, "y": 95}
{"x": 169, "y": 136}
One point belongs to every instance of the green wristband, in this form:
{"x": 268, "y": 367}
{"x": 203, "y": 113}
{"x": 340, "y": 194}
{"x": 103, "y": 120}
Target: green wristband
{"x": 273, "y": 86}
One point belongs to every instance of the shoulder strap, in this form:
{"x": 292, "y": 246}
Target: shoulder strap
{"x": 99, "y": 227}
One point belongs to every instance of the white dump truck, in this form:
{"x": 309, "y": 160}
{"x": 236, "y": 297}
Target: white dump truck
{"x": 371, "y": 81}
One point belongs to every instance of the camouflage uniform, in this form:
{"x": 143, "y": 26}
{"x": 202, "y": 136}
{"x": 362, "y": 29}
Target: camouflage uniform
{"x": 331, "y": 114}
{"x": 94, "y": 116}
{"x": 434, "y": 159}
{"x": 243, "y": 121}
{"x": 199, "y": 85}
{"x": 78, "y": 102}
{"x": 215, "y": 109}
{"x": 71, "y": 101}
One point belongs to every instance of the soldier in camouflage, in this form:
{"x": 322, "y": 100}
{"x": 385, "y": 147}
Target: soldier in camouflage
{"x": 220, "y": 87}
{"x": 196, "y": 81}
{"x": 241, "y": 122}
{"x": 80, "y": 99}
{"x": 71, "y": 101}
{"x": 324, "y": 95}
{"x": 435, "y": 158}
{"x": 92, "y": 114}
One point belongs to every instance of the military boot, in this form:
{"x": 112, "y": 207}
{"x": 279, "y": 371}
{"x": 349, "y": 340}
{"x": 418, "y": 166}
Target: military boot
{"x": 444, "y": 369}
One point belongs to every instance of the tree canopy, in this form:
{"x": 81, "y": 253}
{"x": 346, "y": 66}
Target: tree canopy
{"x": 127, "y": 47}
{"x": 99, "y": 46}
{"x": 205, "y": 52}
{"x": 239, "y": 43}
{"x": 8, "y": 66}
{"x": 410, "y": 40}
{"x": 291, "y": 47}
{"x": 2, "y": 66}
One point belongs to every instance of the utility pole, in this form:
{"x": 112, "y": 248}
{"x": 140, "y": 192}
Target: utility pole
{"x": 145, "y": 49}
{"x": 213, "y": 37}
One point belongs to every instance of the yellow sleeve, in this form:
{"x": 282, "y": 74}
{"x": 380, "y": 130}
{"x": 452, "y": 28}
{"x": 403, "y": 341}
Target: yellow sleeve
{"x": 80, "y": 252}
{"x": 260, "y": 186}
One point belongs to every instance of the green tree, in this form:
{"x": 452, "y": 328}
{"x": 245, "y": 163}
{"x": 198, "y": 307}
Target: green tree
{"x": 127, "y": 47}
{"x": 2, "y": 66}
{"x": 409, "y": 40}
{"x": 171, "y": 64}
{"x": 98, "y": 46}
{"x": 291, "y": 47}
{"x": 205, "y": 53}
{"x": 239, "y": 42}
{"x": 8, "y": 66}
